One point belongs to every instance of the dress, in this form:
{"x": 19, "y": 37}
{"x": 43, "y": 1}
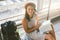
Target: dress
{"x": 35, "y": 35}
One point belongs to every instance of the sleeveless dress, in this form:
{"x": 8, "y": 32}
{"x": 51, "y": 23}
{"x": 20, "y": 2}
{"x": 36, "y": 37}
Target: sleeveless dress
{"x": 35, "y": 35}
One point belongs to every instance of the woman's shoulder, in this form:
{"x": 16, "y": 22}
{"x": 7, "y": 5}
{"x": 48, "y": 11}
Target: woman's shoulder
{"x": 24, "y": 20}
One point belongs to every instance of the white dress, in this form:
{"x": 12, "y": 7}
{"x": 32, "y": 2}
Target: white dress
{"x": 35, "y": 35}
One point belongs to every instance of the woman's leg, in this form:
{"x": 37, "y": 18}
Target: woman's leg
{"x": 48, "y": 37}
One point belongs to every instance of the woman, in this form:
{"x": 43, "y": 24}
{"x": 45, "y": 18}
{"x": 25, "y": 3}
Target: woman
{"x": 31, "y": 25}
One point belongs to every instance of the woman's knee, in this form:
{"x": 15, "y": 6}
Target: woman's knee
{"x": 48, "y": 37}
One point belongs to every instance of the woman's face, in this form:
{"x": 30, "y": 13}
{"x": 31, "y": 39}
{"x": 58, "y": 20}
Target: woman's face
{"x": 30, "y": 10}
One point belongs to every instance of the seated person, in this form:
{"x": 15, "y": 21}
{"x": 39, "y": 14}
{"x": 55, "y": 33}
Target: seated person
{"x": 31, "y": 25}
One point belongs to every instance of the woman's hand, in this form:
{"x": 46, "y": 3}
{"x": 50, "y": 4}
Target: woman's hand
{"x": 37, "y": 26}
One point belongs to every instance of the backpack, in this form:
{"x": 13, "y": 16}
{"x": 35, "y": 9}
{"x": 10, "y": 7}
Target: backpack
{"x": 9, "y": 31}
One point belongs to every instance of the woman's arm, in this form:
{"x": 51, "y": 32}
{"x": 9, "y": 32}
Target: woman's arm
{"x": 28, "y": 30}
{"x": 37, "y": 22}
